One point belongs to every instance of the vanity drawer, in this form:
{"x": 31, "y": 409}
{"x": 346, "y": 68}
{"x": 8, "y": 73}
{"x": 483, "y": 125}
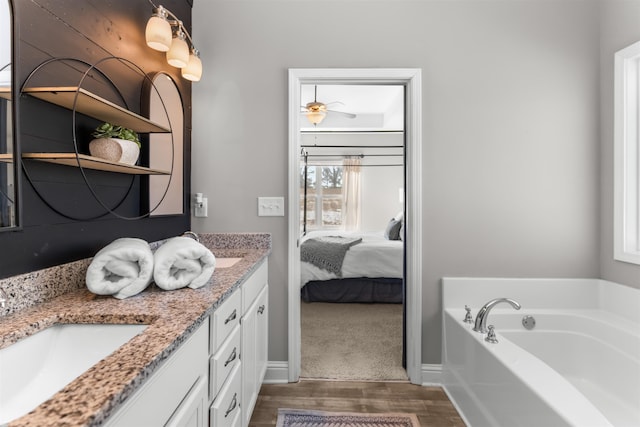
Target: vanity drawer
{"x": 225, "y": 319}
{"x": 254, "y": 284}
{"x": 225, "y": 409}
{"x": 223, "y": 361}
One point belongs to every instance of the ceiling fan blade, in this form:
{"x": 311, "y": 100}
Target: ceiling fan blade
{"x": 334, "y": 102}
{"x": 349, "y": 115}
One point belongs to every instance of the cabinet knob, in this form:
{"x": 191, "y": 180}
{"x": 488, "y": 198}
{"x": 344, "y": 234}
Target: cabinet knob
{"x": 261, "y": 309}
{"x": 233, "y": 405}
{"x": 231, "y": 317}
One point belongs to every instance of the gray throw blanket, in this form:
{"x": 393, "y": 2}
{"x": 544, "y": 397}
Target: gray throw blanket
{"x": 327, "y": 252}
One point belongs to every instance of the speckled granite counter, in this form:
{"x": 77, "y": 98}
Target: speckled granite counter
{"x": 171, "y": 315}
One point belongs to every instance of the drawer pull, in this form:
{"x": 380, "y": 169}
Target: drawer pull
{"x": 261, "y": 309}
{"x": 233, "y": 405}
{"x": 232, "y": 357}
{"x": 231, "y": 317}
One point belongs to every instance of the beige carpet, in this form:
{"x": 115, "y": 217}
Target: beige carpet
{"x": 305, "y": 418}
{"x": 352, "y": 341}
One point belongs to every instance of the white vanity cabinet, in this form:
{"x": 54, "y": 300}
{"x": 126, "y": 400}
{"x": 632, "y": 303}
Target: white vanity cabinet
{"x": 215, "y": 376}
{"x": 176, "y": 394}
{"x": 254, "y": 323}
{"x": 238, "y": 352}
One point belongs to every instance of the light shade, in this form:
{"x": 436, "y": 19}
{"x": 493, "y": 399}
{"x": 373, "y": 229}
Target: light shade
{"x": 158, "y": 33}
{"x": 178, "y": 55}
{"x": 316, "y": 117}
{"x": 193, "y": 70}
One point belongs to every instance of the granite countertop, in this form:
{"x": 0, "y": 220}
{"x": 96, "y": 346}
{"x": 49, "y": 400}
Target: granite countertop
{"x": 171, "y": 316}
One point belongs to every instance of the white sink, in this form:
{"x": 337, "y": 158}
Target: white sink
{"x": 35, "y": 368}
{"x": 226, "y": 262}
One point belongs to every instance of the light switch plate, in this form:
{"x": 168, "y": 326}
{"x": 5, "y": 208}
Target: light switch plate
{"x": 270, "y": 206}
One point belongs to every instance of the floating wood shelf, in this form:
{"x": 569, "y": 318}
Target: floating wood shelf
{"x": 88, "y": 162}
{"x": 6, "y": 158}
{"x": 94, "y": 106}
{"x": 5, "y": 92}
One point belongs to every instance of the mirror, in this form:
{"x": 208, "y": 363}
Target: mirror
{"x": 164, "y": 106}
{"x": 8, "y": 164}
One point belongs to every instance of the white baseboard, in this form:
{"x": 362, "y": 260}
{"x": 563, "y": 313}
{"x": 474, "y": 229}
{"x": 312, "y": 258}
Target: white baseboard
{"x": 278, "y": 373}
{"x": 431, "y": 375}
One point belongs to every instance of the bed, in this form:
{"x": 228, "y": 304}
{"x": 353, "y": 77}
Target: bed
{"x": 371, "y": 269}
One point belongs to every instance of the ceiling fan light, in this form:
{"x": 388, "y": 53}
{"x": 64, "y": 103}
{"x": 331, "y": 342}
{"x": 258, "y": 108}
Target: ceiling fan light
{"x": 316, "y": 117}
{"x": 193, "y": 70}
{"x": 158, "y": 32}
{"x": 178, "y": 54}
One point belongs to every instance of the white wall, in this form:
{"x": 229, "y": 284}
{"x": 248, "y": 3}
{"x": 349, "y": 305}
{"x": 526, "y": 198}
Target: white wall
{"x": 620, "y": 27}
{"x": 380, "y": 200}
{"x": 510, "y": 127}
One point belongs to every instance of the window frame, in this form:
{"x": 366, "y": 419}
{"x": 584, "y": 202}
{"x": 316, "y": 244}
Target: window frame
{"x": 627, "y": 154}
{"x": 319, "y": 196}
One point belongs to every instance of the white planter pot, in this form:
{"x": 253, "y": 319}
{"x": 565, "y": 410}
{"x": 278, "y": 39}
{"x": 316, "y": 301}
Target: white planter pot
{"x": 115, "y": 150}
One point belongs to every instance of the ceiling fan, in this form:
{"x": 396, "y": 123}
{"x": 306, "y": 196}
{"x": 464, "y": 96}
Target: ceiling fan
{"x": 316, "y": 111}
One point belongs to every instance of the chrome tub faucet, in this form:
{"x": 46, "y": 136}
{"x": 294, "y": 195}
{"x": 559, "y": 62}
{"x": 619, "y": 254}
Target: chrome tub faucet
{"x": 483, "y": 313}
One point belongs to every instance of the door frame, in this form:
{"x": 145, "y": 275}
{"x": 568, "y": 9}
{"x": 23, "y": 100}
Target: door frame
{"x": 411, "y": 79}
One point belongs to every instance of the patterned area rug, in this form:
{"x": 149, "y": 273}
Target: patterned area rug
{"x": 305, "y": 418}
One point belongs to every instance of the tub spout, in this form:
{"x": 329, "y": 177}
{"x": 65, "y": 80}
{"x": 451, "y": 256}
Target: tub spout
{"x": 483, "y": 313}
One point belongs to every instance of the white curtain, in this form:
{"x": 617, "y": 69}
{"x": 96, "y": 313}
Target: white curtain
{"x": 351, "y": 193}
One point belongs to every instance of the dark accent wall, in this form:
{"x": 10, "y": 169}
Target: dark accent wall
{"x": 88, "y": 31}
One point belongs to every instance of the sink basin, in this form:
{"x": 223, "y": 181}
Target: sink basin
{"x": 226, "y": 262}
{"x": 35, "y": 368}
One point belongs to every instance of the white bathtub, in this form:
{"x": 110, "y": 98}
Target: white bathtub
{"x": 579, "y": 366}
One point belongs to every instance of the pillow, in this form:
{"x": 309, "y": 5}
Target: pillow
{"x": 399, "y": 216}
{"x": 401, "y": 232}
{"x": 392, "y": 232}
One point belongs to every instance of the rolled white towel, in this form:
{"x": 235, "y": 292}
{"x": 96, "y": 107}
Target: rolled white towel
{"x": 182, "y": 261}
{"x": 123, "y": 268}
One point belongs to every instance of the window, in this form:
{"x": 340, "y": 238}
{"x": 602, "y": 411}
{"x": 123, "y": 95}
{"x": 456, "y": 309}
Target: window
{"x": 627, "y": 154}
{"x": 324, "y": 197}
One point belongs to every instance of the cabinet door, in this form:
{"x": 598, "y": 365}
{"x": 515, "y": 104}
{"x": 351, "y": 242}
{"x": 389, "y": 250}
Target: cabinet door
{"x": 254, "y": 352}
{"x": 262, "y": 337}
{"x": 248, "y": 356}
{"x": 159, "y": 399}
{"x": 192, "y": 410}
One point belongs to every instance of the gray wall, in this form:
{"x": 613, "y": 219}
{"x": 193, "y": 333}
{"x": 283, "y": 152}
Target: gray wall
{"x": 620, "y": 27}
{"x": 510, "y": 128}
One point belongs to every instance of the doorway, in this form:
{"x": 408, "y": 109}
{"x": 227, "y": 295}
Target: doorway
{"x": 411, "y": 80}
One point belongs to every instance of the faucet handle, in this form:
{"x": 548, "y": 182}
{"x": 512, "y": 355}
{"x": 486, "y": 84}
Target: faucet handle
{"x": 467, "y": 317}
{"x": 491, "y": 335}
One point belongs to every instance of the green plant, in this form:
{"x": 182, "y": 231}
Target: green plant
{"x": 107, "y": 130}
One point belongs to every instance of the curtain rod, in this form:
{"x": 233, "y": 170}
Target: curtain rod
{"x": 354, "y": 155}
{"x": 352, "y": 146}
{"x": 364, "y": 166}
{"x": 347, "y": 132}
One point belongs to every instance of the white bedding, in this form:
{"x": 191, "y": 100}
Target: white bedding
{"x": 374, "y": 257}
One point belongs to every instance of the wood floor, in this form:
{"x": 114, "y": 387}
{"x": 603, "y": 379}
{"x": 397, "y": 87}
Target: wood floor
{"x": 430, "y": 404}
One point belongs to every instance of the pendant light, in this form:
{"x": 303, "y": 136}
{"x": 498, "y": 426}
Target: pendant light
{"x": 158, "y": 33}
{"x": 193, "y": 70}
{"x": 178, "y": 55}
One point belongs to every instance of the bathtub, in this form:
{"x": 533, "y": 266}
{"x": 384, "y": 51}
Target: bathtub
{"x": 579, "y": 366}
